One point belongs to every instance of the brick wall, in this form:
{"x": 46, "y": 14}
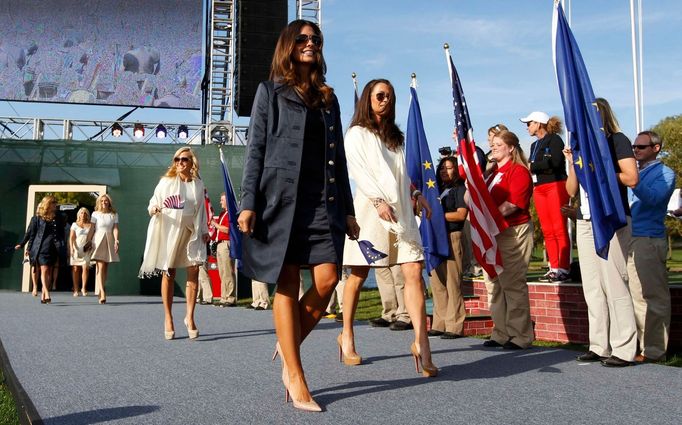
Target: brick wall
{"x": 558, "y": 310}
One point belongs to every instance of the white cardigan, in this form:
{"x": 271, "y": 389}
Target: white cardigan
{"x": 380, "y": 173}
{"x": 164, "y": 228}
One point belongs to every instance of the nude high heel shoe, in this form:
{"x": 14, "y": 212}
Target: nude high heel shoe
{"x": 427, "y": 371}
{"x": 193, "y": 334}
{"x": 352, "y": 360}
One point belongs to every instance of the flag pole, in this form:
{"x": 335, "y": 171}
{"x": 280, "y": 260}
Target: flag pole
{"x": 413, "y": 82}
{"x": 355, "y": 81}
{"x": 635, "y": 71}
{"x": 641, "y": 64}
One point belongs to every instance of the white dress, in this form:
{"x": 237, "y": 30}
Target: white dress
{"x": 104, "y": 237}
{"x": 79, "y": 257}
{"x": 380, "y": 173}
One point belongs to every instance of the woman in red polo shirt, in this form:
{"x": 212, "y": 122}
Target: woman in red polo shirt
{"x": 511, "y": 187}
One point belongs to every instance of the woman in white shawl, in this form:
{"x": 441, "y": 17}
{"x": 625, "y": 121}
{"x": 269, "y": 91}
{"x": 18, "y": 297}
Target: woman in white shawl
{"x": 177, "y": 234}
{"x": 384, "y": 210}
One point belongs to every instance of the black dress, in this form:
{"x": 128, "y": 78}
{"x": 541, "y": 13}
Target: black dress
{"x": 310, "y": 241}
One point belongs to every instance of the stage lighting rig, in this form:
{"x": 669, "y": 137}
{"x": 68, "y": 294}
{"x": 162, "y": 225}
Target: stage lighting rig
{"x": 138, "y": 131}
{"x": 183, "y": 132}
{"x": 116, "y": 130}
{"x": 161, "y": 131}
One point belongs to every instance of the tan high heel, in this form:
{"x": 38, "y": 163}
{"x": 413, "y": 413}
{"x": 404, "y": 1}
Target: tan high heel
{"x": 427, "y": 371}
{"x": 352, "y": 360}
{"x": 193, "y": 334}
{"x": 308, "y": 406}
{"x": 169, "y": 334}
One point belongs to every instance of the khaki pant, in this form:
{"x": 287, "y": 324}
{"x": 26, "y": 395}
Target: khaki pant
{"x": 226, "y": 271}
{"x": 446, "y": 285}
{"x": 260, "y": 294}
{"x": 648, "y": 282}
{"x": 205, "y": 292}
{"x": 391, "y": 284}
{"x": 510, "y": 305}
{"x": 610, "y": 313}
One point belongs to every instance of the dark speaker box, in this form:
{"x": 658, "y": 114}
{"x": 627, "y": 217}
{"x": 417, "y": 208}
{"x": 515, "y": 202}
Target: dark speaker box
{"x": 259, "y": 23}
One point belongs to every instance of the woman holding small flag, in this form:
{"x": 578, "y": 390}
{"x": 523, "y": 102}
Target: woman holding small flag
{"x": 376, "y": 162}
{"x": 296, "y": 204}
{"x": 177, "y": 234}
{"x": 511, "y": 188}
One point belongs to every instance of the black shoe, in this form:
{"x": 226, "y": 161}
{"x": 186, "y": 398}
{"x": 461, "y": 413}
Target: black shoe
{"x": 492, "y": 343}
{"x": 399, "y": 325}
{"x": 450, "y": 335}
{"x": 511, "y": 346}
{"x": 259, "y": 308}
{"x": 250, "y": 307}
{"x": 614, "y": 361}
{"x": 339, "y": 318}
{"x": 434, "y": 332}
{"x": 379, "y": 323}
{"x": 590, "y": 356}
{"x": 559, "y": 277}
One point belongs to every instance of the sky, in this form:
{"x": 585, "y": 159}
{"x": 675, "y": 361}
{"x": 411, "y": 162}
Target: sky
{"x": 501, "y": 48}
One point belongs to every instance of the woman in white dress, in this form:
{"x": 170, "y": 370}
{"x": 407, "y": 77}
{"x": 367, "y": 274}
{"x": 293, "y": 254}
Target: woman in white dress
{"x": 177, "y": 235}
{"x": 80, "y": 241}
{"x": 384, "y": 210}
{"x": 105, "y": 220}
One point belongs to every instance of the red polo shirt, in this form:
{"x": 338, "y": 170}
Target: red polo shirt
{"x": 513, "y": 183}
{"x": 223, "y": 220}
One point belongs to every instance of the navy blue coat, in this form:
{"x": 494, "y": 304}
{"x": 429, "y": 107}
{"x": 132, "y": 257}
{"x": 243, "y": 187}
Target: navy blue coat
{"x": 271, "y": 172}
{"x": 35, "y": 234}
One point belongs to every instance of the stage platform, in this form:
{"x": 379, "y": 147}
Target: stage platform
{"x": 83, "y": 363}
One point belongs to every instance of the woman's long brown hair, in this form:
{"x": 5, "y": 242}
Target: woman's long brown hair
{"x": 313, "y": 90}
{"x": 386, "y": 129}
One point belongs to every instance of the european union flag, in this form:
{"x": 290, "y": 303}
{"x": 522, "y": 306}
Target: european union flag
{"x": 591, "y": 155}
{"x": 422, "y": 172}
{"x": 370, "y": 253}
{"x": 235, "y": 234}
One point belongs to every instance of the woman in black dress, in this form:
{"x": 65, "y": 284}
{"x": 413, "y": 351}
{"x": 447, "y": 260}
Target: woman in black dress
{"x": 45, "y": 236}
{"x": 296, "y": 201}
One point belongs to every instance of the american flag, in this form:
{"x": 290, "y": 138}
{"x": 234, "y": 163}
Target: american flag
{"x": 486, "y": 220}
{"x": 174, "y": 202}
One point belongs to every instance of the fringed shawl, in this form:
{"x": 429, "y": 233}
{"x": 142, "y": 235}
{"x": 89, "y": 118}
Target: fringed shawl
{"x": 164, "y": 228}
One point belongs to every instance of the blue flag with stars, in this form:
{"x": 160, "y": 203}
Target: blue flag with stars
{"x": 592, "y": 159}
{"x": 232, "y": 209}
{"x": 371, "y": 254}
{"x": 422, "y": 172}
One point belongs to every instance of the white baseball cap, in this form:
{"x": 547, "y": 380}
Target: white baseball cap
{"x": 536, "y": 116}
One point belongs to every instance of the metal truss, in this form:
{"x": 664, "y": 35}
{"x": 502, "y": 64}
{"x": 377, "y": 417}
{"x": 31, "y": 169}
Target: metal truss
{"x": 310, "y": 11}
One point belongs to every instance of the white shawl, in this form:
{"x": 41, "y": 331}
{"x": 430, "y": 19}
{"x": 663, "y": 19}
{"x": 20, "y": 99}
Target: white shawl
{"x": 369, "y": 168}
{"x": 164, "y": 228}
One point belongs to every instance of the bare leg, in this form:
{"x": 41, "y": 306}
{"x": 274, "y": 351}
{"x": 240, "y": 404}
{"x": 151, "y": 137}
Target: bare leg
{"x": 35, "y": 278}
{"x": 191, "y": 294}
{"x": 101, "y": 277}
{"x": 416, "y": 307}
{"x": 287, "y": 319}
{"x": 85, "y": 275}
{"x": 46, "y": 279}
{"x": 55, "y": 274}
{"x": 75, "y": 277}
{"x": 313, "y": 304}
{"x": 351, "y": 294}
{"x": 167, "y": 298}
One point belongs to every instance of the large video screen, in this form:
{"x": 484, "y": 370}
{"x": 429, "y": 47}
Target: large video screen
{"x": 104, "y": 52}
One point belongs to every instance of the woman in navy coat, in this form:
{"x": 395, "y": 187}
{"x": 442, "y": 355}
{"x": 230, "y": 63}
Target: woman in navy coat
{"x": 296, "y": 204}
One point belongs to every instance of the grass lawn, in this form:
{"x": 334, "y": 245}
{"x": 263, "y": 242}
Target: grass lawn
{"x": 8, "y": 410}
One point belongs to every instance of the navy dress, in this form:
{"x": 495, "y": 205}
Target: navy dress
{"x": 310, "y": 241}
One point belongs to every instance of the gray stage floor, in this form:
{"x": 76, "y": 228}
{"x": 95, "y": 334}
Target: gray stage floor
{"x": 84, "y": 363}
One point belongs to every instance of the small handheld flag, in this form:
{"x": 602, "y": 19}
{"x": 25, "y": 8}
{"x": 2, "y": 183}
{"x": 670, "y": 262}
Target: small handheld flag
{"x": 174, "y": 202}
{"x": 371, "y": 254}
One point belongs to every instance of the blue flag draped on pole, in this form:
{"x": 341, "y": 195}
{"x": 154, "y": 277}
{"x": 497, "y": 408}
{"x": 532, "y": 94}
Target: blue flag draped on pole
{"x": 422, "y": 172}
{"x": 232, "y": 208}
{"x": 592, "y": 159}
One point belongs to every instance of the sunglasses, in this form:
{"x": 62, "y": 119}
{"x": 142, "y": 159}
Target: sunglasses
{"x": 642, "y": 146}
{"x": 529, "y": 123}
{"x": 182, "y": 159}
{"x": 303, "y": 38}
{"x": 381, "y": 96}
